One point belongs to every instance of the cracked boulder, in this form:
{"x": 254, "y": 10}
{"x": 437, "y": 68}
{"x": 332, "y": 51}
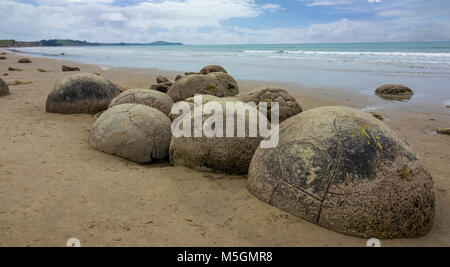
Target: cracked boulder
{"x": 4, "y": 89}
{"x": 216, "y": 83}
{"x": 132, "y": 131}
{"x": 288, "y": 105}
{"x": 81, "y": 93}
{"x": 229, "y": 154}
{"x": 345, "y": 170}
{"x": 147, "y": 97}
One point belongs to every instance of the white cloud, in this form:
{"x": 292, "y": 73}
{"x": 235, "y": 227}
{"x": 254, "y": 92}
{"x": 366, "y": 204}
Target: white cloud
{"x": 329, "y": 2}
{"x": 141, "y": 22}
{"x": 114, "y": 16}
{"x": 194, "y": 22}
{"x": 271, "y": 7}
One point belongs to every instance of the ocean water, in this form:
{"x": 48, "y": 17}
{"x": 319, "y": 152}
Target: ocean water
{"x": 424, "y": 67}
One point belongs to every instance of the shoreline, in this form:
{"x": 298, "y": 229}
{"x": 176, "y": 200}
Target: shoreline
{"x": 54, "y": 186}
{"x": 362, "y": 80}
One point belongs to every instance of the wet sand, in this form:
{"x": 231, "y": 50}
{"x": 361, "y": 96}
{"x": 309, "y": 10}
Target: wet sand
{"x": 55, "y": 186}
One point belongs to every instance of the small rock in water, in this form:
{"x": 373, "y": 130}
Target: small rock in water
{"x": 394, "y": 92}
{"x": 443, "y": 131}
{"x": 67, "y": 68}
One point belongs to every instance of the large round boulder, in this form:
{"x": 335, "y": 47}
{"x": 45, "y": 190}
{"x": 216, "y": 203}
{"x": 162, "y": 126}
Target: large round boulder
{"x": 216, "y": 83}
{"x": 81, "y": 93}
{"x": 394, "y": 92}
{"x": 212, "y": 68}
{"x": 288, "y": 105}
{"x": 132, "y": 131}
{"x": 4, "y": 89}
{"x": 147, "y": 97}
{"x": 230, "y": 154}
{"x": 343, "y": 169}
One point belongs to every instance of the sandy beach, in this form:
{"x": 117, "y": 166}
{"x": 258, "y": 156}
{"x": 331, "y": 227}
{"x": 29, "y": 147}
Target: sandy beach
{"x": 55, "y": 186}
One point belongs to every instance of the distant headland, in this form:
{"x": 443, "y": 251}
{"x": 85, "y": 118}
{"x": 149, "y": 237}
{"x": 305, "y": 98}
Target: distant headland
{"x": 61, "y": 42}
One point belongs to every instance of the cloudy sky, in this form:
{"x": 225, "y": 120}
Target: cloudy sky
{"x": 226, "y": 21}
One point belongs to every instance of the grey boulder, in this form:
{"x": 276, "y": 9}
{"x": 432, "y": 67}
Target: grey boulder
{"x": 132, "y": 131}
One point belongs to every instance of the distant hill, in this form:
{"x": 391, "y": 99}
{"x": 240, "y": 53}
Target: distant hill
{"x": 60, "y": 42}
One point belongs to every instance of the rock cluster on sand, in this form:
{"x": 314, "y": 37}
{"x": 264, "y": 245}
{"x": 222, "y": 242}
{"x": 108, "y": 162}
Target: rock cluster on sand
{"x": 394, "y": 91}
{"x": 81, "y": 93}
{"x": 24, "y": 60}
{"x": 132, "y": 131}
{"x": 227, "y": 154}
{"x": 215, "y": 83}
{"x": 162, "y": 84}
{"x": 2, "y": 58}
{"x": 4, "y": 89}
{"x": 67, "y": 68}
{"x": 288, "y": 105}
{"x": 343, "y": 169}
{"x": 145, "y": 97}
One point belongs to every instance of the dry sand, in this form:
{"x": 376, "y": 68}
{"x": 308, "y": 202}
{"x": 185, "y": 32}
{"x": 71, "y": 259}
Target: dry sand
{"x": 54, "y": 185}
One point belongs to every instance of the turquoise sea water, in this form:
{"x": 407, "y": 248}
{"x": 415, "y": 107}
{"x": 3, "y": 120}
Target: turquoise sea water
{"x": 425, "y": 67}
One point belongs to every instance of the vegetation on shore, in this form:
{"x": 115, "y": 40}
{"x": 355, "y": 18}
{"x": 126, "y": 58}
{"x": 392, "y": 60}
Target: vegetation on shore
{"x": 61, "y": 42}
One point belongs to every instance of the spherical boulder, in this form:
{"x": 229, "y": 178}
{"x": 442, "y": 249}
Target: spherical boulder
{"x": 212, "y": 68}
{"x": 216, "y": 83}
{"x": 81, "y": 93}
{"x": 229, "y": 154}
{"x": 151, "y": 98}
{"x": 4, "y": 89}
{"x": 288, "y": 105}
{"x": 205, "y": 99}
{"x": 394, "y": 91}
{"x": 132, "y": 131}
{"x": 345, "y": 170}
